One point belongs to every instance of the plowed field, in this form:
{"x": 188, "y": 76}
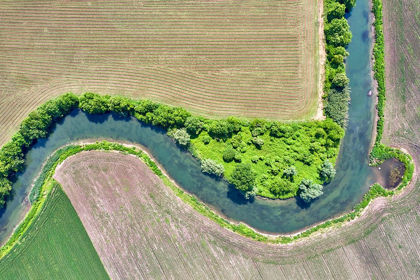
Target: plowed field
{"x": 217, "y": 58}
{"x": 141, "y": 230}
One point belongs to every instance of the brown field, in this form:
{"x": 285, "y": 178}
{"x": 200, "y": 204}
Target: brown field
{"x": 216, "y": 58}
{"x": 402, "y": 55}
{"x": 140, "y": 229}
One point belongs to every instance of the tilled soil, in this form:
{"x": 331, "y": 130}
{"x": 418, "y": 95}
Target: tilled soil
{"x": 142, "y": 230}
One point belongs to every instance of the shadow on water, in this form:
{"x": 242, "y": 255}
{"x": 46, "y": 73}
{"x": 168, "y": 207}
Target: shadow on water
{"x": 302, "y": 204}
{"x": 237, "y": 196}
{"x": 97, "y": 119}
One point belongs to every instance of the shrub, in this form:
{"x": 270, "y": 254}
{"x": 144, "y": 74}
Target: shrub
{"x": 243, "y": 177}
{"x": 290, "y": 172}
{"x": 206, "y": 139}
{"x": 258, "y": 142}
{"x": 181, "y": 136}
{"x": 255, "y": 159}
{"x": 281, "y": 187}
{"x": 309, "y": 190}
{"x": 327, "y": 171}
{"x": 212, "y": 167}
{"x": 229, "y": 154}
{"x": 238, "y": 157}
{"x": 194, "y": 125}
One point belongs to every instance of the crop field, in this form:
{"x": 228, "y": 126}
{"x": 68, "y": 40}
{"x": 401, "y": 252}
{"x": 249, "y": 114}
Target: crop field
{"x": 402, "y": 54}
{"x": 56, "y": 246}
{"x": 216, "y": 58}
{"x": 140, "y": 229}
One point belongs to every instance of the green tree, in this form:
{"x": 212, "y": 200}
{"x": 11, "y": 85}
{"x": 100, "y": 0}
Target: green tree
{"x": 229, "y": 154}
{"x": 290, "y": 172}
{"x": 94, "y": 103}
{"x": 327, "y": 171}
{"x": 337, "y": 107}
{"x": 212, "y": 167}
{"x": 280, "y": 130}
{"x": 338, "y": 33}
{"x": 335, "y": 10}
{"x": 5, "y": 188}
{"x": 181, "y": 136}
{"x": 281, "y": 187}
{"x": 348, "y": 3}
{"x": 194, "y": 125}
{"x": 309, "y": 190}
{"x": 243, "y": 177}
{"x": 120, "y": 105}
{"x": 340, "y": 81}
{"x": 220, "y": 128}
{"x": 258, "y": 127}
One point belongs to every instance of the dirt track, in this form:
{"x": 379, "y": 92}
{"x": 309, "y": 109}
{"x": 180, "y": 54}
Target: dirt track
{"x": 141, "y": 230}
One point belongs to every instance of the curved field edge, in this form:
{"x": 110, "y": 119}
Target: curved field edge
{"x": 62, "y": 154}
{"x": 55, "y": 244}
{"x": 381, "y": 152}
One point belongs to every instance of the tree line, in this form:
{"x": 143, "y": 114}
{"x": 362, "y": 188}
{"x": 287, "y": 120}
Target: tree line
{"x": 338, "y": 36}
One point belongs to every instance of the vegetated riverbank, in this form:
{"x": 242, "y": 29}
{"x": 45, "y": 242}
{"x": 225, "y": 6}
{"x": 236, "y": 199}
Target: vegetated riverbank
{"x": 269, "y": 149}
{"x": 39, "y": 195}
{"x": 380, "y": 152}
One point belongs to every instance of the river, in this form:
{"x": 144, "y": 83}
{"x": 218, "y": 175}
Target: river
{"x": 351, "y": 182}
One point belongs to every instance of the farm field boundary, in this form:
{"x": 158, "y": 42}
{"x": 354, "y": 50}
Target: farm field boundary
{"x": 215, "y": 58}
{"x": 55, "y": 244}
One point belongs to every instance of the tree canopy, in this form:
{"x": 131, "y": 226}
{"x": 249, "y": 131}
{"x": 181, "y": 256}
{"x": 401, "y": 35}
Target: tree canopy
{"x": 309, "y": 191}
{"x": 243, "y": 177}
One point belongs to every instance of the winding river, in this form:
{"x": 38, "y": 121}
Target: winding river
{"x": 353, "y": 178}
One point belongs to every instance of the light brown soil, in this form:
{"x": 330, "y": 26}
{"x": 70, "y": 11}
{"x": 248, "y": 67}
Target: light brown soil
{"x": 142, "y": 230}
{"x": 402, "y": 55}
{"x": 245, "y": 58}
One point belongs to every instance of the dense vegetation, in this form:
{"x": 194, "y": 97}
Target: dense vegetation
{"x": 56, "y": 246}
{"x": 272, "y": 149}
{"x": 379, "y": 67}
{"x": 338, "y": 36}
{"x": 36, "y": 125}
{"x": 281, "y": 155}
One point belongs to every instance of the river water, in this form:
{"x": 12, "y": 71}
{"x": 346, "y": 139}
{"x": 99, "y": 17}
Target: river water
{"x": 351, "y": 182}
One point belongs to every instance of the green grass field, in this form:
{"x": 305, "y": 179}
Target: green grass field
{"x": 56, "y": 246}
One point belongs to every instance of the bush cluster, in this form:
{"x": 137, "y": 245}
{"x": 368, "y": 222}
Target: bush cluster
{"x": 212, "y": 167}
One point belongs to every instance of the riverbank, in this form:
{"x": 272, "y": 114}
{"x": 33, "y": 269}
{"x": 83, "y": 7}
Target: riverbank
{"x": 64, "y": 153}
